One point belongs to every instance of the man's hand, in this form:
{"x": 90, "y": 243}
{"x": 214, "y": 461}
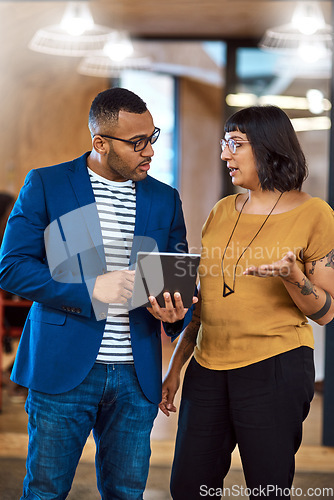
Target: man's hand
{"x": 169, "y": 388}
{"x": 169, "y": 313}
{"x": 115, "y": 287}
{"x": 282, "y": 268}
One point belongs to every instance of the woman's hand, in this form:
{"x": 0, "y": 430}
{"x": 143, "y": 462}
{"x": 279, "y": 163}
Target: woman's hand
{"x": 282, "y": 268}
{"x": 170, "y": 387}
{"x": 312, "y": 291}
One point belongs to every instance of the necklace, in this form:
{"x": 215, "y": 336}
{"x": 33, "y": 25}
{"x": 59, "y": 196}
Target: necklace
{"x": 227, "y": 290}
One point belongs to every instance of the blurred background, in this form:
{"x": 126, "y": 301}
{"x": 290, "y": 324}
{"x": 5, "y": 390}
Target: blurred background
{"x": 194, "y": 62}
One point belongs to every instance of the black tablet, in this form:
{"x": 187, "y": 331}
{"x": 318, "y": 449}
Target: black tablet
{"x": 158, "y": 272}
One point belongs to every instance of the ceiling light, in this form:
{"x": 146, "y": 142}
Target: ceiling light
{"x": 307, "y": 18}
{"x": 102, "y": 66}
{"x": 306, "y": 36}
{"x": 77, "y": 34}
{"x": 77, "y": 19}
{"x": 312, "y": 51}
{"x": 241, "y": 100}
{"x": 315, "y": 100}
{"x": 296, "y": 68}
{"x": 282, "y": 101}
{"x": 119, "y": 46}
{"x": 312, "y": 123}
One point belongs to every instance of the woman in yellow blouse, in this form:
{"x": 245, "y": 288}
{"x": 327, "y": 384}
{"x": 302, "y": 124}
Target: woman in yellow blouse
{"x": 267, "y": 265}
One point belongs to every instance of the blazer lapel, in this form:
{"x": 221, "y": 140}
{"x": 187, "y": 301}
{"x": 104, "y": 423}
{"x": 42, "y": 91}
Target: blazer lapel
{"x": 82, "y": 188}
{"x": 80, "y": 181}
{"x": 143, "y": 210}
{"x": 143, "y": 206}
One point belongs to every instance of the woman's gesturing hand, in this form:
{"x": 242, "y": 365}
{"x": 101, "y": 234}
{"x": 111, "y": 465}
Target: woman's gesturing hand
{"x": 282, "y": 268}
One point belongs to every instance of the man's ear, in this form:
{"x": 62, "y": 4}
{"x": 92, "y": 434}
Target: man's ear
{"x": 100, "y": 145}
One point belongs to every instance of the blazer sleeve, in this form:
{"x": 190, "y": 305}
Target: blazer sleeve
{"x": 24, "y": 269}
{"x": 177, "y": 242}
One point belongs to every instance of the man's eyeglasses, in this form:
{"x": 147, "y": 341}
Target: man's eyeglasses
{"x": 231, "y": 143}
{"x": 140, "y": 144}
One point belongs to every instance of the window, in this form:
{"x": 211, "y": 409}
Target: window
{"x": 158, "y": 91}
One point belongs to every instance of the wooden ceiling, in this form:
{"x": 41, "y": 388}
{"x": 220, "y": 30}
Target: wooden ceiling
{"x": 163, "y": 18}
{"x": 147, "y": 19}
{"x": 37, "y": 90}
{"x": 198, "y": 18}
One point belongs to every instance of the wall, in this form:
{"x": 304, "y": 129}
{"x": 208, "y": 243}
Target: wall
{"x": 199, "y": 162}
{"x": 44, "y": 102}
{"x": 43, "y": 118}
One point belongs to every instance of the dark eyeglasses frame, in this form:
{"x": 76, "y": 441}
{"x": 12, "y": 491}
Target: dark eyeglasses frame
{"x": 152, "y": 139}
{"x": 231, "y": 144}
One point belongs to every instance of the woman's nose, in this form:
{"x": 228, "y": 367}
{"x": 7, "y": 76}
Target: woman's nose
{"x": 226, "y": 153}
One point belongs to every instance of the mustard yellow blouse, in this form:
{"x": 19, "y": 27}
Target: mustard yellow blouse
{"x": 260, "y": 319}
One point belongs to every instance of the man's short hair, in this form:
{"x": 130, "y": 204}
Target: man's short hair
{"x": 106, "y": 106}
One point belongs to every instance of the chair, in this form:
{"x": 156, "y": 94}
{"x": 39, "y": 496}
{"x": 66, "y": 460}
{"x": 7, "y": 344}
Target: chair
{"x": 15, "y": 308}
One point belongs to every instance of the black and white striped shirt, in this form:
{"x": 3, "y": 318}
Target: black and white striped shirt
{"x": 116, "y": 206}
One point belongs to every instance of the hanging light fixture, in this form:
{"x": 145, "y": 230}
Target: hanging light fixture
{"x": 307, "y": 18}
{"x": 102, "y": 66}
{"x": 119, "y": 46}
{"x": 76, "y": 35}
{"x": 306, "y": 36}
{"x": 77, "y": 19}
{"x": 117, "y": 55}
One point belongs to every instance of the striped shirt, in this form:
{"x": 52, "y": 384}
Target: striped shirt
{"x": 116, "y": 206}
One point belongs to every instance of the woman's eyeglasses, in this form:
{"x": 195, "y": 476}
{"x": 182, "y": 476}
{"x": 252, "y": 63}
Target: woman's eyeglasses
{"x": 231, "y": 143}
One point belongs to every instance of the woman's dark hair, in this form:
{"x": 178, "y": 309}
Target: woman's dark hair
{"x": 280, "y": 161}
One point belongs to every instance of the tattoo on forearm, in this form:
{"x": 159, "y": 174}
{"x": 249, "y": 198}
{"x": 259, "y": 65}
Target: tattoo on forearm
{"x": 311, "y": 271}
{"x": 330, "y": 259}
{"x": 307, "y": 288}
{"x": 324, "y": 310}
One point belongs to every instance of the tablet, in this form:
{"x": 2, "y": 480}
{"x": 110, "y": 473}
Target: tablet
{"x": 159, "y": 272}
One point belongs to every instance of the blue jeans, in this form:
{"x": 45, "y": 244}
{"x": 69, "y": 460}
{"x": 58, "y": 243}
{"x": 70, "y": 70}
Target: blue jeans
{"x": 111, "y": 403}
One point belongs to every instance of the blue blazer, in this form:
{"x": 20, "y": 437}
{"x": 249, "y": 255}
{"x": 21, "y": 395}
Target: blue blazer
{"x": 63, "y": 331}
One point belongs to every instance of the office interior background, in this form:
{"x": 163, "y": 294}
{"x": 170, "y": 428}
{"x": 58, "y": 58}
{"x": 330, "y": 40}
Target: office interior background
{"x": 194, "y": 62}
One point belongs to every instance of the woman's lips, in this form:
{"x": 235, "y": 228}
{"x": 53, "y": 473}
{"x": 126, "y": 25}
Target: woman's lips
{"x": 232, "y": 171}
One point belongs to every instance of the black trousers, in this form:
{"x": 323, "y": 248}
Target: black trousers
{"x": 260, "y": 407}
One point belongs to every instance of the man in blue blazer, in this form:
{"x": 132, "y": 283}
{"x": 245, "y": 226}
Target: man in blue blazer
{"x": 91, "y": 363}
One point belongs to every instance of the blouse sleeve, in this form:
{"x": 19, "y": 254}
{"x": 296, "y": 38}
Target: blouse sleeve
{"x": 321, "y": 231}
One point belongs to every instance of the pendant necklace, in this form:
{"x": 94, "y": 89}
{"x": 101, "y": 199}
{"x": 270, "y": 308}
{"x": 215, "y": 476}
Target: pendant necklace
{"x": 227, "y": 290}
